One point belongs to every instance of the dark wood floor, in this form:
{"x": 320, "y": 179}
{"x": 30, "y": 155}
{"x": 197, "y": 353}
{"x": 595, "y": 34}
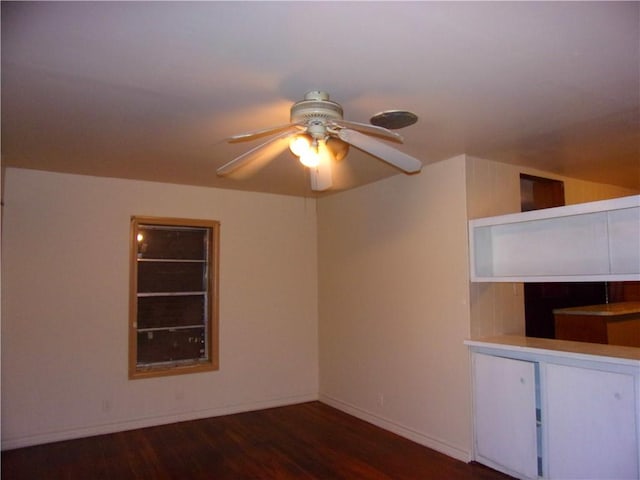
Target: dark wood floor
{"x": 306, "y": 441}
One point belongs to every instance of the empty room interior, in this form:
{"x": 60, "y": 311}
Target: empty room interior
{"x": 466, "y": 207}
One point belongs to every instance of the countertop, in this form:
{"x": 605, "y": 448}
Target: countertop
{"x": 565, "y": 348}
{"x": 605, "y": 310}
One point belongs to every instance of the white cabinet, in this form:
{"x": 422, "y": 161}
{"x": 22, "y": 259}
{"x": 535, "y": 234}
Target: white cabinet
{"x": 505, "y": 414}
{"x": 596, "y": 241}
{"x": 595, "y": 411}
{"x": 554, "y": 409}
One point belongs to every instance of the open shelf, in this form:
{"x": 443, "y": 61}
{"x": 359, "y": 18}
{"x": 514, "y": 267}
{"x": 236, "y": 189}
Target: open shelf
{"x": 596, "y": 241}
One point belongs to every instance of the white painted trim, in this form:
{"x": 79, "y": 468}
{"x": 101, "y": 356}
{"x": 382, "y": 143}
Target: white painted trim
{"x": 48, "y": 437}
{"x": 403, "y": 431}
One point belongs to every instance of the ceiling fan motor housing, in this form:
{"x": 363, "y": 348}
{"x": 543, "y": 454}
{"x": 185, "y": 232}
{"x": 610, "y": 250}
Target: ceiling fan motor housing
{"x": 315, "y": 108}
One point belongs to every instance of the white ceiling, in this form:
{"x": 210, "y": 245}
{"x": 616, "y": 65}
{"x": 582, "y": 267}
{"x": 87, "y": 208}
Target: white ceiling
{"x": 148, "y": 90}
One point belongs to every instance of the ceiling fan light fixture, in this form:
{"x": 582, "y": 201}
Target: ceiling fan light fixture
{"x": 311, "y": 158}
{"x": 300, "y": 144}
{"x": 337, "y": 148}
{"x": 316, "y": 154}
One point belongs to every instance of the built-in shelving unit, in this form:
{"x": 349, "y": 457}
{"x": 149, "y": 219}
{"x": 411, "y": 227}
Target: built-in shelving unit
{"x": 596, "y": 241}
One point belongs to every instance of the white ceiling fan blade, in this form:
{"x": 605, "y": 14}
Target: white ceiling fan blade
{"x": 321, "y": 177}
{"x": 319, "y": 181}
{"x": 378, "y": 149}
{"x": 370, "y": 129}
{"x": 242, "y": 137}
{"x": 261, "y": 154}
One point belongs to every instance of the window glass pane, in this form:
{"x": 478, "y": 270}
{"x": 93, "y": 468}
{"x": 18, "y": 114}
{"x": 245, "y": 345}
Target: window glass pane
{"x": 171, "y": 277}
{"x": 171, "y": 345}
{"x": 158, "y": 312}
{"x": 172, "y": 242}
{"x": 174, "y": 296}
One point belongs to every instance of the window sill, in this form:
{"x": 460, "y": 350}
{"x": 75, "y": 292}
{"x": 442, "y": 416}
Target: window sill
{"x": 167, "y": 370}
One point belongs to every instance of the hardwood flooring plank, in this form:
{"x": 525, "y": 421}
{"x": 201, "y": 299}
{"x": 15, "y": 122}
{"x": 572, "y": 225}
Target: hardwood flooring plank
{"x": 309, "y": 441}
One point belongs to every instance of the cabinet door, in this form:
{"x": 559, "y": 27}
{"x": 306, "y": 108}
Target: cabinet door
{"x": 505, "y": 414}
{"x": 591, "y": 424}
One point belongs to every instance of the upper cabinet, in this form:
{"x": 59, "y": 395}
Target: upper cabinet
{"x": 587, "y": 242}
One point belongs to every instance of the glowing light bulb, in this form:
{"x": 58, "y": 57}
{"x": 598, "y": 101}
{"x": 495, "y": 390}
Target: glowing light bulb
{"x": 310, "y": 158}
{"x": 299, "y": 145}
{"x": 140, "y": 237}
{"x": 324, "y": 154}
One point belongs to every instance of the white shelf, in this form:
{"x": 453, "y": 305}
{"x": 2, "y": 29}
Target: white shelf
{"x": 596, "y": 241}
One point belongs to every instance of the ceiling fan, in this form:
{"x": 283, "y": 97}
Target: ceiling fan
{"x": 318, "y": 134}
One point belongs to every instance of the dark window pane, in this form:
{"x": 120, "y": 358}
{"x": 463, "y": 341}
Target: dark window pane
{"x": 158, "y": 312}
{"x": 167, "y": 346}
{"x": 171, "y": 277}
{"x": 175, "y": 243}
{"x": 172, "y": 264}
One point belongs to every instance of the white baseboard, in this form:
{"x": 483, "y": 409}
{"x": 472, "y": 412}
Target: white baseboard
{"x": 418, "y": 437}
{"x": 89, "y": 431}
{"x": 92, "y": 430}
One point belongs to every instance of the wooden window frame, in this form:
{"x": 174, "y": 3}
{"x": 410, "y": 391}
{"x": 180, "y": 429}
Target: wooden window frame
{"x": 210, "y": 363}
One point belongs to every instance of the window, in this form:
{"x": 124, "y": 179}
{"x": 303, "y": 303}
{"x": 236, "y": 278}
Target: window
{"x": 173, "y": 325}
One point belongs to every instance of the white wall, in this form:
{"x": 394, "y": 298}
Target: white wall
{"x": 385, "y": 266}
{"x": 393, "y": 280}
{"x": 494, "y": 189}
{"x": 65, "y": 306}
